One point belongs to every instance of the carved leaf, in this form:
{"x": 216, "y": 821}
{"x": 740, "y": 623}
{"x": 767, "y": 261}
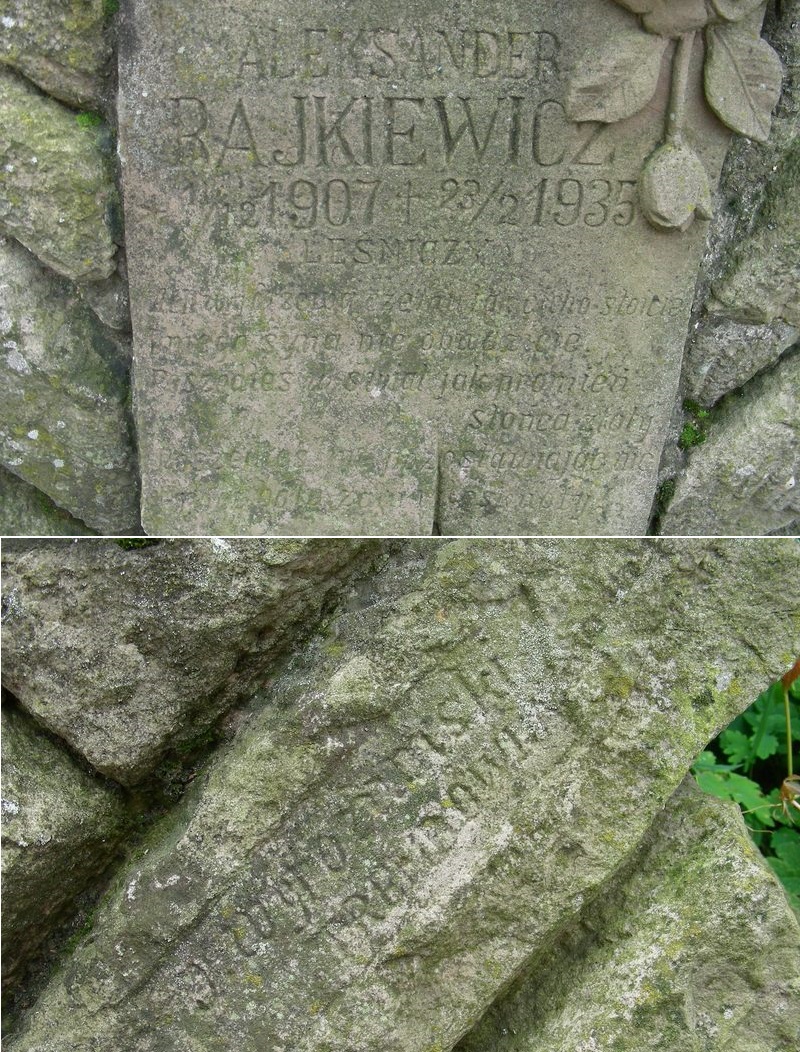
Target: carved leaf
{"x": 618, "y": 79}
{"x": 672, "y": 18}
{"x": 743, "y": 79}
{"x": 733, "y": 10}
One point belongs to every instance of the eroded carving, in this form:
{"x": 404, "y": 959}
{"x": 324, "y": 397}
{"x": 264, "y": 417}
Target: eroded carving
{"x": 742, "y": 80}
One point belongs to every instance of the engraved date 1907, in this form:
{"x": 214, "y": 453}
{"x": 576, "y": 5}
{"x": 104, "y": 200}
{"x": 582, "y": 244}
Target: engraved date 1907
{"x": 305, "y": 204}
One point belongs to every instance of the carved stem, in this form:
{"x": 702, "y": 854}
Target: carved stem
{"x": 676, "y": 112}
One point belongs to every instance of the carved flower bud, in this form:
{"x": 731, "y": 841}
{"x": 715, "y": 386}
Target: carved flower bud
{"x": 674, "y": 186}
{"x": 734, "y": 10}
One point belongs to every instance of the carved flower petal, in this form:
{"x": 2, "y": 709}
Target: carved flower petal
{"x": 733, "y": 10}
{"x": 674, "y": 186}
{"x": 673, "y": 18}
{"x": 639, "y": 7}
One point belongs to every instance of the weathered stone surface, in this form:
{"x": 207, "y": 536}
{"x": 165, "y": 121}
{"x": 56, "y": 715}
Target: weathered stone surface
{"x": 109, "y": 300}
{"x": 763, "y": 284}
{"x": 60, "y": 828}
{"x": 744, "y": 479}
{"x": 63, "y": 47}
{"x": 696, "y": 948}
{"x": 426, "y": 797}
{"x": 64, "y": 421}
{"x": 384, "y": 283}
{"x": 56, "y": 183}
{"x": 724, "y": 355}
{"x": 27, "y": 512}
{"x": 185, "y": 629}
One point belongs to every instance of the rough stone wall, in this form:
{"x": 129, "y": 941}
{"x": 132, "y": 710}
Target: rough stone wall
{"x": 454, "y": 808}
{"x": 734, "y": 463}
{"x": 65, "y": 431}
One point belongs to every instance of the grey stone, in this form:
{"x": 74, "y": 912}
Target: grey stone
{"x": 27, "y": 512}
{"x": 412, "y": 324}
{"x": 186, "y": 627}
{"x": 435, "y": 788}
{"x": 61, "y": 828}
{"x": 744, "y": 479}
{"x": 63, "y": 47}
{"x": 56, "y": 185}
{"x": 694, "y": 947}
{"x": 64, "y": 422}
{"x": 763, "y": 284}
{"x": 109, "y": 300}
{"x": 723, "y": 355}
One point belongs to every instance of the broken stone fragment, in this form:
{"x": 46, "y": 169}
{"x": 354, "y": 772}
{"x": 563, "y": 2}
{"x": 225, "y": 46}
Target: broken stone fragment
{"x": 61, "y": 828}
{"x": 27, "y": 512}
{"x": 375, "y": 880}
{"x": 723, "y": 355}
{"x": 57, "y": 191}
{"x": 187, "y": 628}
{"x": 63, "y": 47}
{"x": 694, "y": 941}
{"x": 64, "y": 421}
{"x": 744, "y": 479}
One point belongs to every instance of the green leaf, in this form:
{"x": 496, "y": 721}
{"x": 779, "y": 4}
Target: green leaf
{"x": 707, "y": 761}
{"x": 768, "y": 746}
{"x": 743, "y": 77}
{"x": 789, "y": 877}
{"x": 736, "y": 746}
{"x": 729, "y": 786}
{"x": 786, "y": 845}
{"x": 618, "y": 79}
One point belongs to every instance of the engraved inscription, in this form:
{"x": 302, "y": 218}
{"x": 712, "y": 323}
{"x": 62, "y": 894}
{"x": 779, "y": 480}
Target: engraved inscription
{"x": 399, "y": 278}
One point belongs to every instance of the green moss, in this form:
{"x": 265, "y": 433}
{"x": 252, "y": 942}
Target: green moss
{"x": 88, "y": 119}
{"x": 695, "y": 430}
{"x": 110, "y": 8}
{"x": 692, "y": 435}
{"x": 130, "y": 543}
{"x": 618, "y": 685}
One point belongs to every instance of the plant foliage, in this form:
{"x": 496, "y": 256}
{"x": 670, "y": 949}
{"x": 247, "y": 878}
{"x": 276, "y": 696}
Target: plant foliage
{"x": 747, "y": 763}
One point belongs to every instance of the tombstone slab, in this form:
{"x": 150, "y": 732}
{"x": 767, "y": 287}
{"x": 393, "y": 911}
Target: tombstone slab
{"x": 382, "y": 281}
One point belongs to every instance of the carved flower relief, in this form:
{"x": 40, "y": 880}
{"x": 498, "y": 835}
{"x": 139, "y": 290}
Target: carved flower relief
{"x": 674, "y": 188}
{"x": 669, "y": 18}
{"x": 672, "y": 18}
{"x": 742, "y": 81}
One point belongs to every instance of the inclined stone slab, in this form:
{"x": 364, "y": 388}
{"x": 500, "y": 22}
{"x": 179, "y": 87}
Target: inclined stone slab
{"x": 744, "y": 479}
{"x": 61, "y": 829}
{"x": 65, "y": 423}
{"x": 382, "y": 283}
{"x": 57, "y": 188}
{"x": 186, "y": 626}
{"x": 694, "y": 947}
{"x": 62, "y": 47}
{"x": 27, "y": 512}
{"x": 426, "y": 797}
